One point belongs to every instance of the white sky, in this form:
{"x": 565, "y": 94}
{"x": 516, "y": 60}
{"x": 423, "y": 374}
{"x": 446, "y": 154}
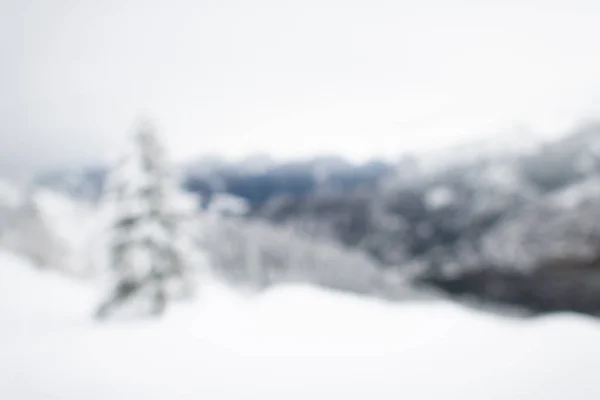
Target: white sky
{"x": 292, "y": 78}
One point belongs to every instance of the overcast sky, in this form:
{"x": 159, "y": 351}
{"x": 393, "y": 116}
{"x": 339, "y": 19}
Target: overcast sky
{"x": 291, "y": 78}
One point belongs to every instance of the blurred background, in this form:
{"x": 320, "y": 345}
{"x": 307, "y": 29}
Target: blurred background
{"x": 281, "y": 198}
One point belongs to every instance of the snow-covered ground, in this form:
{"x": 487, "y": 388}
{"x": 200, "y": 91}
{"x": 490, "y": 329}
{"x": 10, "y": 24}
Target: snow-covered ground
{"x": 293, "y": 342}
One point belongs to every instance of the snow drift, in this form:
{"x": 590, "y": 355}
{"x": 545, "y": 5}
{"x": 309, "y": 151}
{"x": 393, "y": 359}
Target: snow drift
{"x": 292, "y": 342}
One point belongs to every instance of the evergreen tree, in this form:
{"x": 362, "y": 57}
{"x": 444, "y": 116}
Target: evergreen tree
{"x": 146, "y": 255}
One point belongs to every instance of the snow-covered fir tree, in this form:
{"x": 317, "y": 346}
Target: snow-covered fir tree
{"x": 147, "y": 248}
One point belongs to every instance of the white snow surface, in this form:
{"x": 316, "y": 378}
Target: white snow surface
{"x": 293, "y": 342}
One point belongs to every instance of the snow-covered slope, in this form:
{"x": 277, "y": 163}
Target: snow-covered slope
{"x": 36, "y": 300}
{"x": 260, "y": 254}
{"x": 293, "y": 342}
{"x": 48, "y": 227}
{"x": 57, "y": 231}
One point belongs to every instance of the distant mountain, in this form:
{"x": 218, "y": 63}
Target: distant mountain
{"x": 256, "y": 180}
{"x": 510, "y": 220}
{"x": 272, "y": 180}
{"x": 486, "y": 222}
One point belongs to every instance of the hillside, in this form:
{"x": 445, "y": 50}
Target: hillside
{"x": 485, "y": 219}
{"x": 502, "y": 214}
{"x": 293, "y": 341}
